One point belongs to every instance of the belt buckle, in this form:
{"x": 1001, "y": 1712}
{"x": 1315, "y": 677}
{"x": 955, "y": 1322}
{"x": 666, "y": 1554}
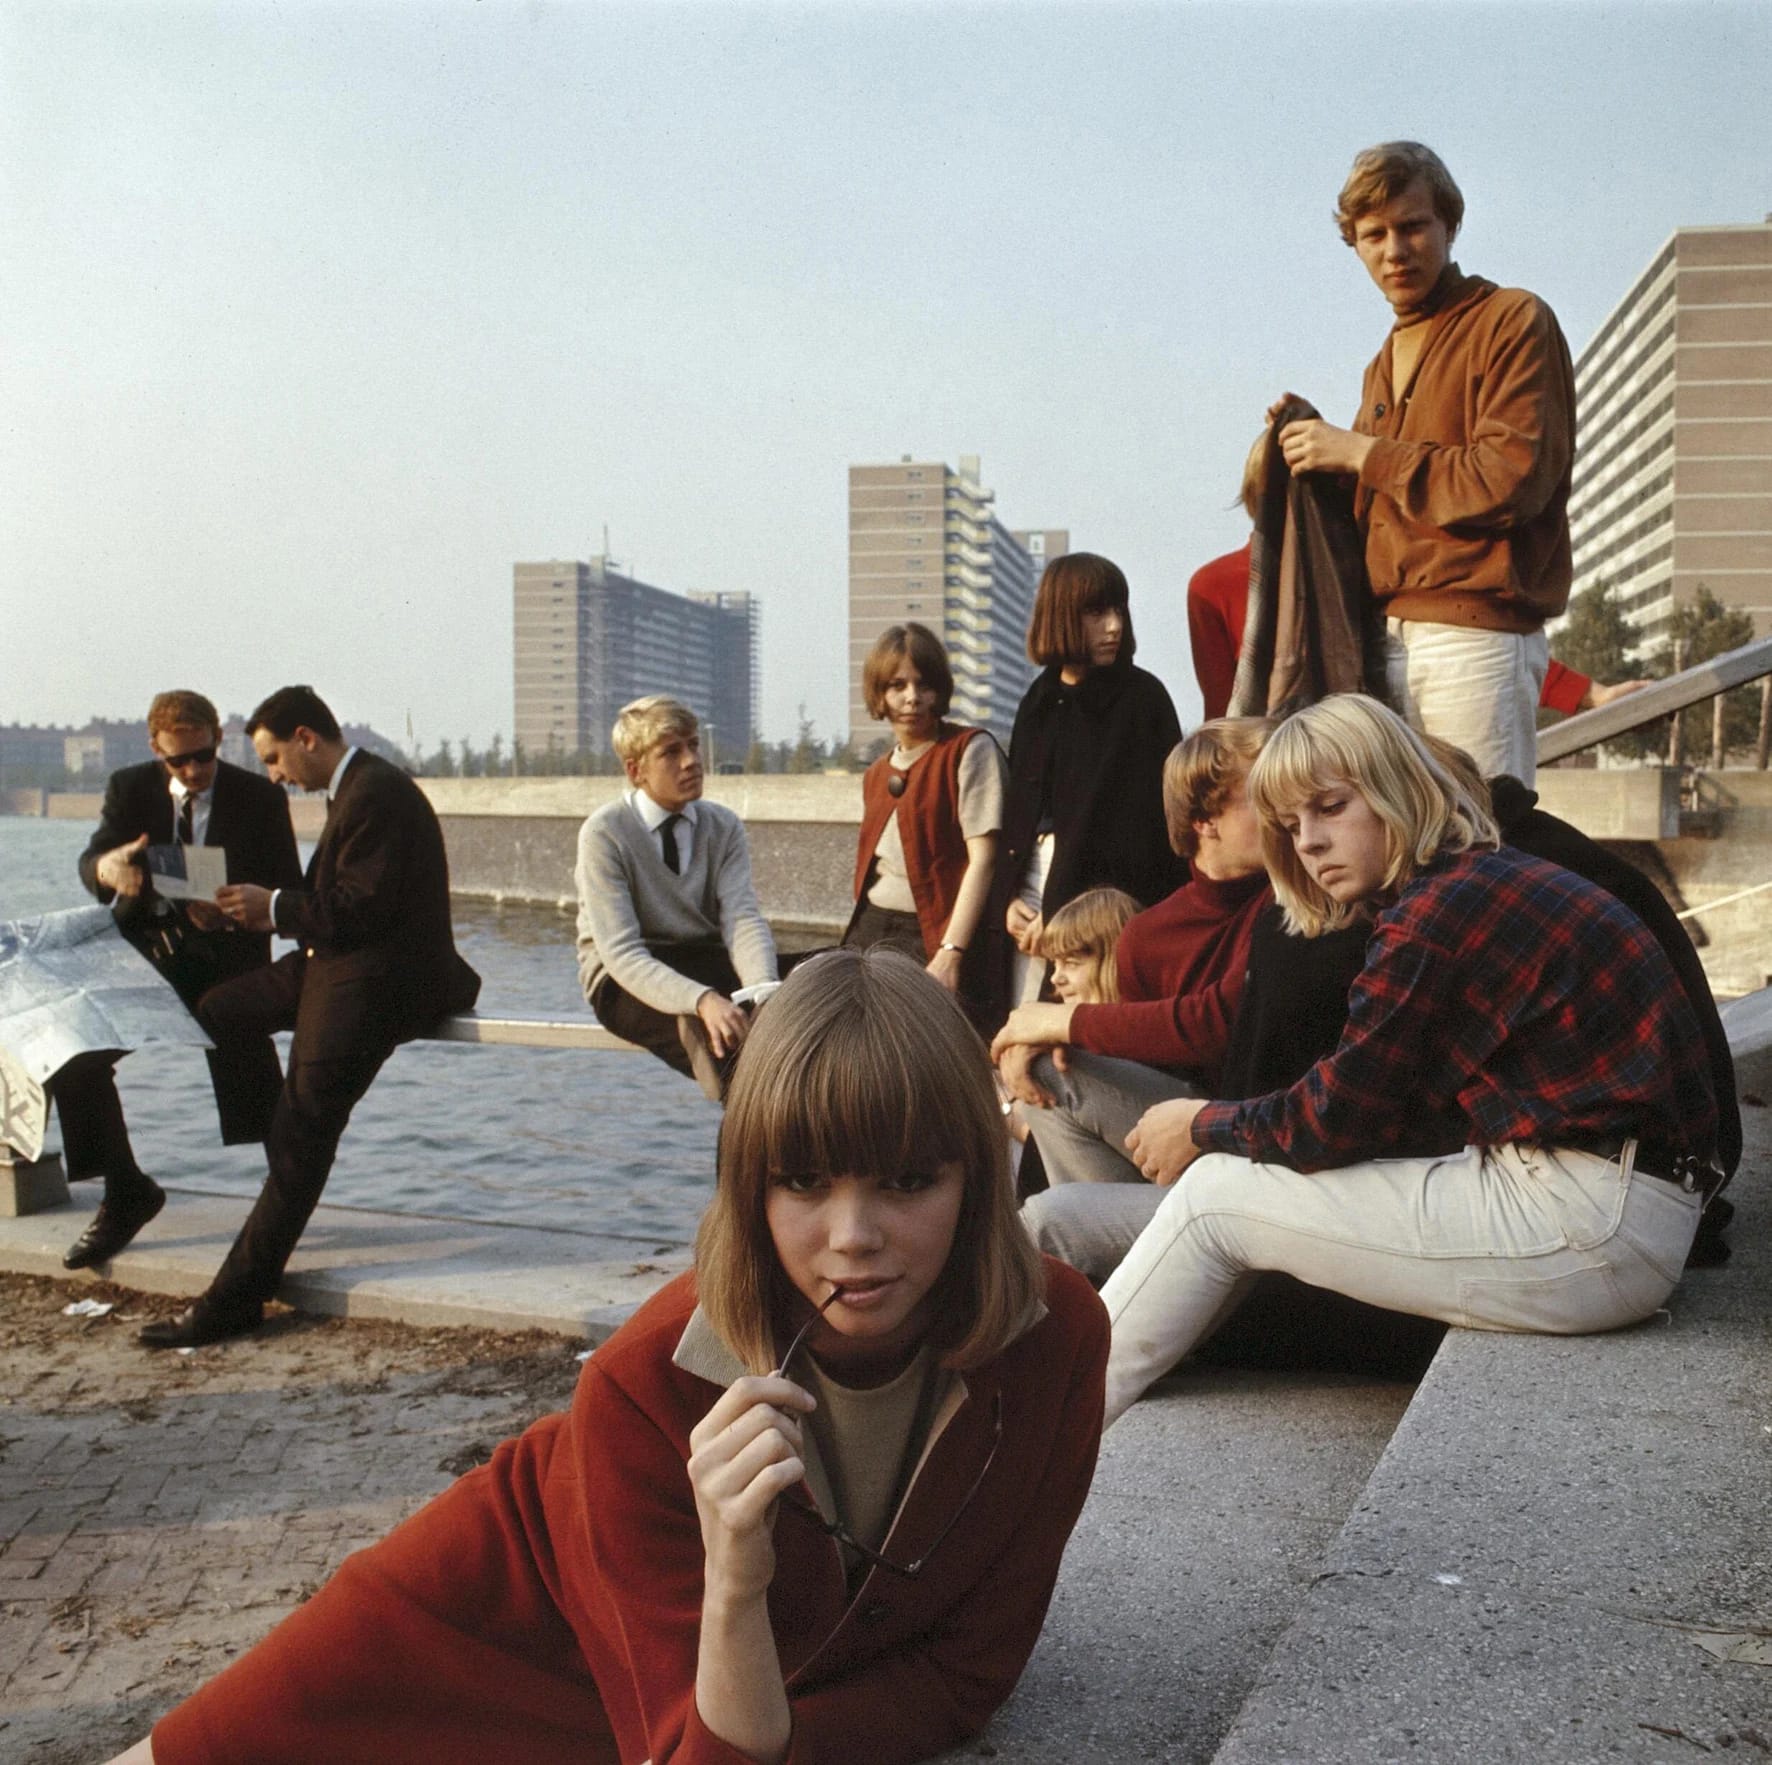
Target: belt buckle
{"x": 1689, "y": 1171}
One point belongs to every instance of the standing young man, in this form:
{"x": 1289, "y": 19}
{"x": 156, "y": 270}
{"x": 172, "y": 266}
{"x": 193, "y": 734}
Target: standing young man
{"x": 668, "y": 922}
{"x": 1462, "y": 451}
{"x": 188, "y": 796}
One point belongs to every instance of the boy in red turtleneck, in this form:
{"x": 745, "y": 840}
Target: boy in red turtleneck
{"x": 1462, "y": 451}
{"x": 1181, "y": 967}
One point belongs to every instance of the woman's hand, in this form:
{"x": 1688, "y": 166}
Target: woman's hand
{"x": 742, "y": 1455}
{"x": 1018, "y": 919}
{"x": 1162, "y": 1145}
{"x": 945, "y": 966}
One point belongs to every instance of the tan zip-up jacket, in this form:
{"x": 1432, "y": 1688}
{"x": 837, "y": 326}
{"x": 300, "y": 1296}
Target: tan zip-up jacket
{"x": 1464, "y": 496}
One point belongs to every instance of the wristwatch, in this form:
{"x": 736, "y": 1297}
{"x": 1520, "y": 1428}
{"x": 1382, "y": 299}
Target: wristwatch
{"x": 958, "y": 949}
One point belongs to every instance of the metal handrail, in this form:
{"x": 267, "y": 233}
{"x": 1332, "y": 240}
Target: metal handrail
{"x": 1691, "y": 686}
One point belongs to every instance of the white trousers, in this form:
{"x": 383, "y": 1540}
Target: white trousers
{"x": 1491, "y": 1238}
{"x": 1028, "y": 973}
{"x": 1476, "y": 689}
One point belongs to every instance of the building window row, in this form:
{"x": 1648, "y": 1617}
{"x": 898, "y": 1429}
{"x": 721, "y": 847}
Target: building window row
{"x": 1606, "y": 345}
{"x": 1653, "y": 487}
{"x": 1587, "y": 467}
{"x": 1625, "y": 383}
{"x": 1622, "y": 542}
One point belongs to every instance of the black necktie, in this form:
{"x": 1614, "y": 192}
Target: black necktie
{"x": 672, "y": 857}
{"x": 187, "y": 821}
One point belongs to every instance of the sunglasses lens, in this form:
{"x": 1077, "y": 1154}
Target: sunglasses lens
{"x": 196, "y": 757}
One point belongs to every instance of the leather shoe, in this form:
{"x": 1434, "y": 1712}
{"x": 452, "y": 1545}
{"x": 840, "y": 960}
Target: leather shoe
{"x": 204, "y": 1320}
{"x": 114, "y": 1225}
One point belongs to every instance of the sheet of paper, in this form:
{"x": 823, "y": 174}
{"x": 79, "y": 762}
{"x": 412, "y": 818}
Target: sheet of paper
{"x": 187, "y": 873}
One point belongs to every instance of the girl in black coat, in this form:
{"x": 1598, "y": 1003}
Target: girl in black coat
{"x": 1085, "y": 802}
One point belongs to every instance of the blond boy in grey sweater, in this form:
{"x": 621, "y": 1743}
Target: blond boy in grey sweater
{"x": 668, "y": 922}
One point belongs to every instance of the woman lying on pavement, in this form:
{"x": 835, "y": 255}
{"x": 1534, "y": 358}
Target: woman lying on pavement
{"x": 848, "y": 1556}
{"x": 1508, "y": 1135}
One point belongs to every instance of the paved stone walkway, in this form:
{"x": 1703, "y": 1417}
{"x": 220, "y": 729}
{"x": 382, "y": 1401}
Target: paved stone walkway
{"x": 160, "y": 1512}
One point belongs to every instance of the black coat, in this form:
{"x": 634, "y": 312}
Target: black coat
{"x": 249, "y": 818}
{"x": 1105, "y": 741}
{"x": 373, "y": 908}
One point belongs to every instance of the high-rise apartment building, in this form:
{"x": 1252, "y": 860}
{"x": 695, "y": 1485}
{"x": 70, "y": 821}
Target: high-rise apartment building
{"x": 925, "y": 544}
{"x": 1673, "y": 467}
{"x": 588, "y": 639}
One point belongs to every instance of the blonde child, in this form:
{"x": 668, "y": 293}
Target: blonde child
{"x": 1079, "y": 941}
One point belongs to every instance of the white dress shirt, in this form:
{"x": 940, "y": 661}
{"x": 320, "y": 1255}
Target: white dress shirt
{"x": 654, "y": 819}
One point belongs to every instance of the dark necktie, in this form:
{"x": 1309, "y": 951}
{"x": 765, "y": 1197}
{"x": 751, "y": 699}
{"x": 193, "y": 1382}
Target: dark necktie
{"x": 187, "y": 828}
{"x": 672, "y": 857}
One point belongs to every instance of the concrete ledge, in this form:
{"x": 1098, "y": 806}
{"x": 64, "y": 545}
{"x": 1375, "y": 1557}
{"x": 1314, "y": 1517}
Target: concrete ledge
{"x": 1560, "y": 1540}
{"x": 355, "y": 1263}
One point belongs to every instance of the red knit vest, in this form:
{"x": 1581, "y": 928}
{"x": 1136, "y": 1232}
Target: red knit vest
{"x": 928, "y": 827}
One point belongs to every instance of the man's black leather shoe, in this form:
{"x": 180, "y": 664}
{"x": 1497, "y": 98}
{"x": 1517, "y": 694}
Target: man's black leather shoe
{"x": 204, "y": 1320}
{"x": 115, "y": 1223}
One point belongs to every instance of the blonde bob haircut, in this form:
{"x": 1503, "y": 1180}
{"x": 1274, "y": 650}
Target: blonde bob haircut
{"x": 1381, "y": 174}
{"x": 1090, "y": 927}
{"x": 1201, "y": 770}
{"x": 895, "y": 646}
{"x": 642, "y": 725}
{"x": 863, "y": 1065}
{"x": 1351, "y": 740}
{"x": 1077, "y": 583}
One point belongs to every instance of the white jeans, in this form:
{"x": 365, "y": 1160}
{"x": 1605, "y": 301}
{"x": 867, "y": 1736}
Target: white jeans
{"x": 1028, "y": 973}
{"x": 1476, "y": 689}
{"x": 1491, "y": 1238}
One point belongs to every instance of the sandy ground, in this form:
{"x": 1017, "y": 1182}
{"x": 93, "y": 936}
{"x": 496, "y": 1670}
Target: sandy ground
{"x": 159, "y": 1512}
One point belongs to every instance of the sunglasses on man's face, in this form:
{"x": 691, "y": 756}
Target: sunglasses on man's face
{"x": 195, "y": 757}
{"x": 841, "y": 1533}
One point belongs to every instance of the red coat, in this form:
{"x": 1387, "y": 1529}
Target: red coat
{"x": 548, "y": 1605}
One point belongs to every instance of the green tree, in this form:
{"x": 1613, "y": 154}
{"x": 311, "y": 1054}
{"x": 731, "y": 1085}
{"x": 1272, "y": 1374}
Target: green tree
{"x": 756, "y": 755}
{"x": 808, "y": 754}
{"x": 519, "y": 757}
{"x": 442, "y": 763}
{"x": 1596, "y": 639}
{"x": 495, "y": 756}
{"x": 1704, "y": 627}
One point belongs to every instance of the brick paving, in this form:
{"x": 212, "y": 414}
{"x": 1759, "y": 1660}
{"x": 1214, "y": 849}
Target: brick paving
{"x": 160, "y": 1512}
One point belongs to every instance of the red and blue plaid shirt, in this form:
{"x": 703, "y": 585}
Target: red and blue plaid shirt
{"x": 1503, "y": 999}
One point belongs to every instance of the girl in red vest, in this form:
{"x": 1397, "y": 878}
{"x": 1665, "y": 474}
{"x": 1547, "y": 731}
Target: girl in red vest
{"x": 931, "y": 808}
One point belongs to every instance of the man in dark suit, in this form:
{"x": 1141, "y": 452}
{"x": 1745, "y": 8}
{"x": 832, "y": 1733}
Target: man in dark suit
{"x": 183, "y": 795}
{"x": 377, "y": 966}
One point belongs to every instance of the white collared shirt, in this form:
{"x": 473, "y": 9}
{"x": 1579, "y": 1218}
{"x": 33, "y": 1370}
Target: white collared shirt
{"x": 653, "y": 819}
{"x": 201, "y": 803}
{"x": 338, "y": 772}
{"x": 329, "y": 793}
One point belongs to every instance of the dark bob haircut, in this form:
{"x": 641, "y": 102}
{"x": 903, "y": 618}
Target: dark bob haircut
{"x": 1077, "y": 583}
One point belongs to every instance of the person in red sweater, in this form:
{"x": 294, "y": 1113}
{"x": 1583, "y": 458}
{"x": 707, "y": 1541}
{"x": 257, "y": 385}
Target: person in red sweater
{"x": 808, "y": 1504}
{"x": 1180, "y": 967}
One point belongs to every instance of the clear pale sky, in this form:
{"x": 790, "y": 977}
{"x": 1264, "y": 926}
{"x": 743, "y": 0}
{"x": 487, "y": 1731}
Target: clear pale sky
{"x": 317, "y": 318}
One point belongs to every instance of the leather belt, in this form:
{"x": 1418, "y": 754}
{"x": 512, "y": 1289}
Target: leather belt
{"x": 1684, "y": 1170}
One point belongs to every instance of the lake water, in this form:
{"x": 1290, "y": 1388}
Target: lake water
{"x": 606, "y": 1143}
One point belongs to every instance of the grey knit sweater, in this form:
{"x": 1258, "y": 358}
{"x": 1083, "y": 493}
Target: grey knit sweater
{"x": 627, "y": 899}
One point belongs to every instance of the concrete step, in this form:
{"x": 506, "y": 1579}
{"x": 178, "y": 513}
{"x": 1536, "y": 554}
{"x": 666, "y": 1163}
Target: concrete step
{"x": 1214, "y": 1501}
{"x": 354, "y": 1262}
{"x": 1564, "y": 1553}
